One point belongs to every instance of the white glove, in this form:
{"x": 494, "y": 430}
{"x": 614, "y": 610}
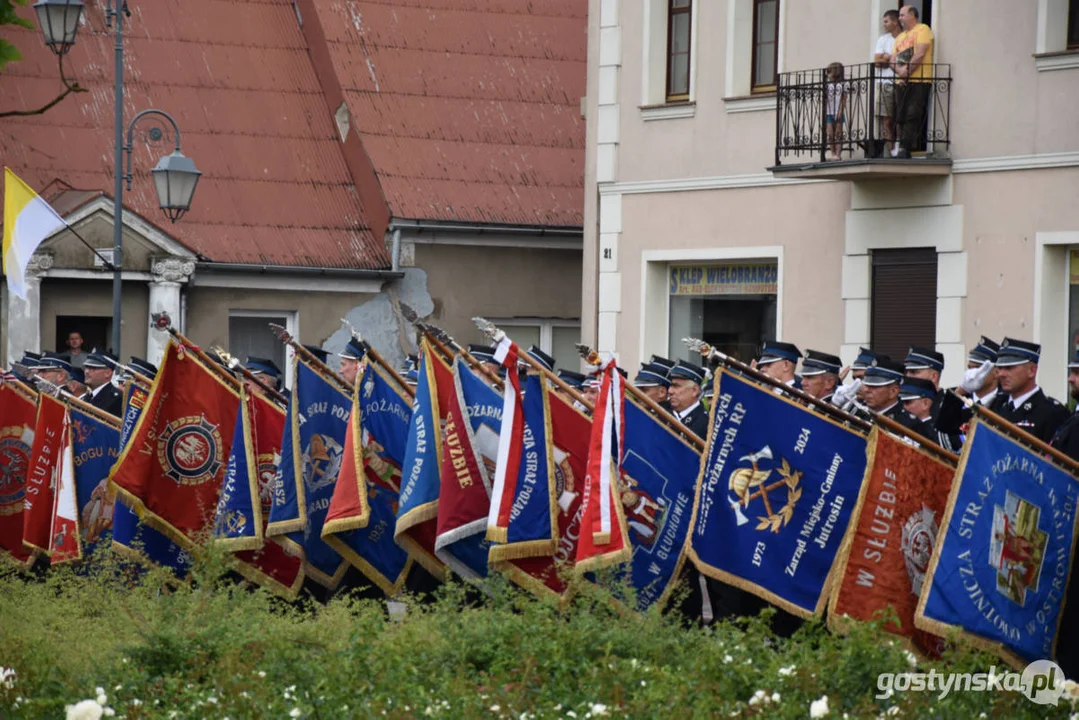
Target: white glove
{"x": 974, "y": 378}
{"x": 843, "y": 394}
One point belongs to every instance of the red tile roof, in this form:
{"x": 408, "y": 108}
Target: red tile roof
{"x": 469, "y": 110}
{"x": 238, "y": 78}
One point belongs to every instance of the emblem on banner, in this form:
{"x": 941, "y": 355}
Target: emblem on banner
{"x": 564, "y": 481}
{"x": 15, "y": 442}
{"x": 1017, "y": 549}
{"x": 235, "y": 522}
{"x": 644, "y": 514}
{"x": 321, "y": 462}
{"x": 751, "y": 483}
{"x": 267, "y": 475}
{"x": 369, "y": 387}
{"x": 919, "y": 534}
{"x": 80, "y": 432}
{"x": 189, "y": 450}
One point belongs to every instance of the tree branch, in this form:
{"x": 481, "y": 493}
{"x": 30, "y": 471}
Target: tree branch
{"x": 69, "y": 87}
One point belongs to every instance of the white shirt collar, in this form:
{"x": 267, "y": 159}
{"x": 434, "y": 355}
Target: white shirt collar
{"x": 95, "y": 393}
{"x": 887, "y": 409}
{"x": 682, "y": 415}
{"x": 1016, "y": 402}
{"x": 988, "y": 399}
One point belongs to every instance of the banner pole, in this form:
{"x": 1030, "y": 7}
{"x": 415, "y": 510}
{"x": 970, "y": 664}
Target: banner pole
{"x": 1040, "y": 446}
{"x": 377, "y": 357}
{"x": 488, "y": 328}
{"x": 162, "y": 322}
{"x": 449, "y": 347}
{"x": 591, "y": 357}
{"x": 896, "y": 429}
{"x": 236, "y": 366}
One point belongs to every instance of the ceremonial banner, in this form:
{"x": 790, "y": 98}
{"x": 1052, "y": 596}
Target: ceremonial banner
{"x": 171, "y": 470}
{"x": 41, "y": 478}
{"x": 884, "y": 560}
{"x": 370, "y": 482}
{"x": 659, "y": 476}
{"x": 1000, "y": 567}
{"x": 510, "y": 445}
{"x": 775, "y": 495}
{"x": 244, "y": 503}
{"x": 570, "y": 433}
{"x": 417, "y": 513}
{"x": 84, "y": 505}
{"x": 603, "y": 541}
{"x": 469, "y": 452}
{"x": 130, "y": 537}
{"x": 18, "y": 417}
{"x": 311, "y": 455}
{"x": 533, "y": 518}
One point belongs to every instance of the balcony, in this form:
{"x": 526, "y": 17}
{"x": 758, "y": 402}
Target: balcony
{"x": 805, "y": 99}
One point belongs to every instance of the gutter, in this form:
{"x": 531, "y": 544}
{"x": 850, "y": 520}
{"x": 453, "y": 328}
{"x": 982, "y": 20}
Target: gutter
{"x": 352, "y": 273}
{"x": 397, "y": 225}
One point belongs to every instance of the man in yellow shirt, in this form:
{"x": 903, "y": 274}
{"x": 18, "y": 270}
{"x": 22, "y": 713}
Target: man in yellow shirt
{"x": 913, "y": 61}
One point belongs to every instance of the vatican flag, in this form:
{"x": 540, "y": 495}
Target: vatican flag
{"x": 28, "y": 220}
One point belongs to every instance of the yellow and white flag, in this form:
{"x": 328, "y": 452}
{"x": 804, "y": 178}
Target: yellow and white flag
{"x": 28, "y": 220}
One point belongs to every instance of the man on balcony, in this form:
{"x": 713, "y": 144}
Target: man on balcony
{"x": 913, "y": 60}
{"x": 885, "y": 102}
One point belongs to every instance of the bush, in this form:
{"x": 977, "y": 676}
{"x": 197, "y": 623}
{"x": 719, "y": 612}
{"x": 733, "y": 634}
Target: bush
{"x": 213, "y": 649}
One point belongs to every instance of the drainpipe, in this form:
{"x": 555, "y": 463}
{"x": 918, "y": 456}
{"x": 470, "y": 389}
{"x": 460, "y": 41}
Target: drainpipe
{"x": 183, "y": 309}
{"x": 395, "y": 260}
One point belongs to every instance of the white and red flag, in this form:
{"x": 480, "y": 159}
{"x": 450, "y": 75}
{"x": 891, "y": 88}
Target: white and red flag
{"x": 510, "y": 444}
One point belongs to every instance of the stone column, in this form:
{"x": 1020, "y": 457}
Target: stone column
{"x": 169, "y": 274}
{"x": 24, "y": 316}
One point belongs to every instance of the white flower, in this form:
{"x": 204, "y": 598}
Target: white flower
{"x": 7, "y": 677}
{"x": 633, "y": 663}
{"x": 727, "y": 659}
{"x": 570, "y": 713}
{"x": 295, "y": 713}
{"x": 109, "y": 712}
{"x": 643, "y": 683}
{"x": 912, "y": 659}
{"x": 124, "y": 661}
{"x": 787, "y": 671}
{"x": 84, "y": 710}
{"x": 598, "y": 709}
{"x": 212, "y": 700}
{"x": 262, "y": 673}
{"x": 819, "y": 708}
{"x": 758, "y": 698}
{"x": 495, "y": 708}
{"x": 102, "y": 699}
{"x": 118, "y": 687}
{"x": 1071, "y": 689}
{"x": 136, "y": 702}
{"x": 558, "y": 707}
{"x": 775, "y": 697}
{"x": 893, "y": 710}
{"x": 99, "y": 691}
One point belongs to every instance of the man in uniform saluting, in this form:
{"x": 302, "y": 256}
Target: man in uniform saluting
{"x": 1021, "y": 402}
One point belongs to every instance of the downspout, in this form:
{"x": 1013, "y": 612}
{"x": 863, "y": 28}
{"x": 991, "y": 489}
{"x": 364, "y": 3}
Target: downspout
{"x": 183, "y": 309}
{"x": 395, "y": 260}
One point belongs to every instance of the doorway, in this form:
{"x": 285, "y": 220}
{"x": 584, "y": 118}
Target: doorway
{"x": 96, "y": 331}
{"x": 924, "y": 8}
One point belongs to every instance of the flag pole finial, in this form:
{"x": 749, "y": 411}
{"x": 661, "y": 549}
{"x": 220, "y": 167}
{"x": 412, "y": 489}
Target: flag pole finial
{"x": 352, "y": 330}
{"x": 161, "y": 321}
{"x": 489, "y": 329}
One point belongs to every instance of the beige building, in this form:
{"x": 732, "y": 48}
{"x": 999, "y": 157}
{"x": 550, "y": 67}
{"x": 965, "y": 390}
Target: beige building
{"x": 692, "y": 228}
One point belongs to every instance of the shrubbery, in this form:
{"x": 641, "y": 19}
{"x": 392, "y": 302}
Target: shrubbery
{"x": 214, "y": 649}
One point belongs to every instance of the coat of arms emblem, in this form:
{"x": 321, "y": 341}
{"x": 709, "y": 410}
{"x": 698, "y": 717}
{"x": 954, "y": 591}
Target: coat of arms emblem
{"x": 1017, "y": 547}
{"x": 189, "y": 450}
{"x": 750, "y": 483}
{"x": 321, "y": 462}
{"x": 919, "y": 534}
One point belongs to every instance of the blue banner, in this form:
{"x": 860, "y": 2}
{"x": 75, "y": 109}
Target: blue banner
{"x": 312, "y": 450}
{"x": 129, "y": 536}
{"x": 659, "y": 473}
{"x": 385, "y": 417}
{"x": 95, "y": 445}
{"x": 776, "y": 492}
{"x": 237, "y": 524}
{"x": 1000, "y": 567}
{"x": 483, "y": 406}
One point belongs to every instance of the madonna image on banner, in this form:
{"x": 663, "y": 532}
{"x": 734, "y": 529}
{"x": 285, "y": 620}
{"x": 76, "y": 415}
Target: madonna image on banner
{"x": 777, "y": 487}
{"x": 1000, "y": 569}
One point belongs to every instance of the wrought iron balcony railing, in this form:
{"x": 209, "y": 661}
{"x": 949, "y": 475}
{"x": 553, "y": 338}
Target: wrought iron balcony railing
{"x": 821, "y": 117}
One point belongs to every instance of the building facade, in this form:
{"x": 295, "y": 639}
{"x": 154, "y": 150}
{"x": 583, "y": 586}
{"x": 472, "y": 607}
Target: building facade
{"x": 355, "y": 156}
{"x": 712, "y": 210}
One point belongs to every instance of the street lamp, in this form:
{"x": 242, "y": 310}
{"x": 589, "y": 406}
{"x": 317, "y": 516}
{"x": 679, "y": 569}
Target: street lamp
{"x": 59, "y": 21}
{"x": 175, "y": 178}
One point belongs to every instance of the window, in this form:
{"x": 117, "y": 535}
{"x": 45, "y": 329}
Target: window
{"x": 558, "y": 338}
{"x": 1073, "y": 25}
{"x": 924, "y": 8}
{"x": 904, "y": 300}
{"x": 250, "y": 336}
{"x": 731, "y": 307}
{"x": 765, "y": 45}
{"x": 679, "y": 22}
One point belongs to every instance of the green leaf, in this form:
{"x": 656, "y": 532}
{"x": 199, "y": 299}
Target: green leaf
{"x": 8, "y": 53}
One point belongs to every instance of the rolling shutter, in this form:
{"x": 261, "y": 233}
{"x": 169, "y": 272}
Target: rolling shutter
{"x": 904, "y": 300}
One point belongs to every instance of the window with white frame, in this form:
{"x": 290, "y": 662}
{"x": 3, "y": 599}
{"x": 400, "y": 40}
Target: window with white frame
{"x": 250, "y": 336}
{"x": 754, "y": 49}
{"x": 556, "y": 337}
{"x": 1058, "y": 34}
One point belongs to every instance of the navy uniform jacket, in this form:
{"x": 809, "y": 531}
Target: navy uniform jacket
{"x": 949, "y": 438}
{"x": 1039, "y": 415}
{"x": 904, "y": 418}
{"x": 1066, "y": 441}
{"x": 697, "y": 422}
{"x": 109, "y": 399}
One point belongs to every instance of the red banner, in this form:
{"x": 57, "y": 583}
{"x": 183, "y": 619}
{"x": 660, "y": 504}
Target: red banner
{"x": 65, "y": 544}
{"x": 171, "y": 470}
{"x": 41, "y": 478}
{"x": 570, "y": 432}
{"x": 18, "y": 410}
{"x": 883, "y": 562}
{"x": 348, "y": 506}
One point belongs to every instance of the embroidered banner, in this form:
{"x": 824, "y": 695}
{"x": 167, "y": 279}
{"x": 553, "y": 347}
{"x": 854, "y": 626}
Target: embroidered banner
{"x": 41, "y": 478}
{"x": 1002, "y": 560}
{"x": 417, "y": 513}
{"x": 18, "y": 417}
{"x": 884, "y": 560}
{"x": 375, "y": 450}
{"x": 776, "y": 491}
{"x": 171, "y": 470}
{"x": 311, "y": 455}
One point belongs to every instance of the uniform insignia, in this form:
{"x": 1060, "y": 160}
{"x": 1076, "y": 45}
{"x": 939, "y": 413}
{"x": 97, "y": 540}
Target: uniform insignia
{"x": 189, "y": 450}
{"x": 919, "y": 534}
{"x": 1017, "y": 548}
{"x": 15, "y": 443}
{"x": 1027, "y": 406}
{"x": 750, "y": 483}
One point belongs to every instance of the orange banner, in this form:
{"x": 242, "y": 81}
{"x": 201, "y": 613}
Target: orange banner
{"x": 18, "y": 412}
{"x": 884, "y": 561}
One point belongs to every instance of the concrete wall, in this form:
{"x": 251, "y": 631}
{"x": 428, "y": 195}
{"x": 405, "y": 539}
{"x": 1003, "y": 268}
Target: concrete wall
{"x": 94, "y": 298}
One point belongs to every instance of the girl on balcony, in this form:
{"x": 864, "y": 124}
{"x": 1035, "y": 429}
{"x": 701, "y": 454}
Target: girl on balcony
{"x": 836, "y": 105}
